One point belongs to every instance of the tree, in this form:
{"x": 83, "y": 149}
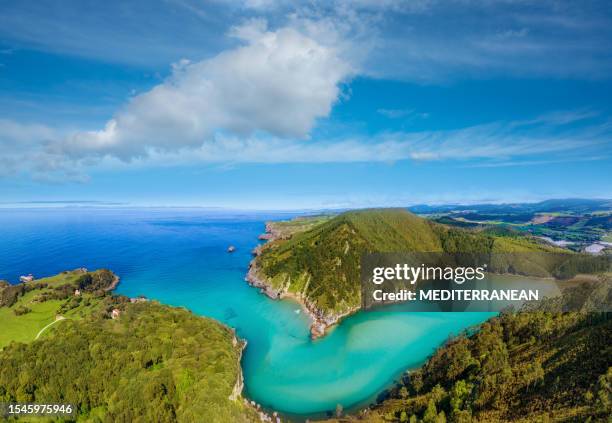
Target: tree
{"x": 603, "y": 403}
{"x": 441, "y": 417}
{"x": 460, "y": 392}
{"x": 431, "y": 414}
{"x": 416, "y": 380}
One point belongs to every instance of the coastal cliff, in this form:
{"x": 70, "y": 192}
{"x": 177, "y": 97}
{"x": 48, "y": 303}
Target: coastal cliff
{"x": 239, "y": 385}
{"x": 320, "y": 321}
{"x": 280, "y": 231}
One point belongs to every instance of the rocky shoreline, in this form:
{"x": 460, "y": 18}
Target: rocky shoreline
{"x": 321, "y": 323}
{"x": 239, "y": 386}
{"x": 236, "y": 394}
{"x": 114, "y": 284}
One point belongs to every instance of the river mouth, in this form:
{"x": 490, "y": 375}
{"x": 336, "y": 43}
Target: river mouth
{"x": 180, "y": 258}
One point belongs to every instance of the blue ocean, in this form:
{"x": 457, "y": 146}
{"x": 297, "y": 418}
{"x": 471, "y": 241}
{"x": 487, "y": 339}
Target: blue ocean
{"x": 179, "y": 257}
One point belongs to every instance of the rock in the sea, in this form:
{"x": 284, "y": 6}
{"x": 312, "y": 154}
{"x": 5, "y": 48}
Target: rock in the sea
{"x": 317, "y": 329}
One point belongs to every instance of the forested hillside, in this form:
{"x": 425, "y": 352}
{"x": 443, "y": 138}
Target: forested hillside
{"x": 117, "y": 360}
{"x": 321, "y": 265}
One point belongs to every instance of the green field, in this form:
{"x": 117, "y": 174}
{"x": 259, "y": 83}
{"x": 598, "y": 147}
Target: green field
{"x": 580, "y": 226}
{"x": 286, "y": 228}
{"x": 43, "y": 302}
{"x": 24, "y": 328}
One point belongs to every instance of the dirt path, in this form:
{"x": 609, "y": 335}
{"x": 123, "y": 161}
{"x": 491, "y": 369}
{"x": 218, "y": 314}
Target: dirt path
{"x": 57, "y": 319}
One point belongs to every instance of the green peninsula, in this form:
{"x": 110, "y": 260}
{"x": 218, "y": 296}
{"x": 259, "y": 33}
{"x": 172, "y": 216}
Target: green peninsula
{"x": 116, "y": 358}
{"x": 319, "y": 264}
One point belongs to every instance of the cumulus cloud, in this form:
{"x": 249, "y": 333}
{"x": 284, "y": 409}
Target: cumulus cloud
{"x": 259, "y": 101}
{"x": 278, "y": 82}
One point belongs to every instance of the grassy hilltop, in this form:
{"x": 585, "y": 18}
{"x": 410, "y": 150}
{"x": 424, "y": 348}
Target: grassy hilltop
{"x": 150, "y": 363}
{"x": 26, "y": 309}
{"x": 321, "y": 265}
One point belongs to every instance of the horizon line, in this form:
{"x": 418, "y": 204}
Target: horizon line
{"x": 96, "y": 204}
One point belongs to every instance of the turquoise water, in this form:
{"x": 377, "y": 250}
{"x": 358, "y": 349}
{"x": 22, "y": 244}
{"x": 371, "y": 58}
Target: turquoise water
{"x": 179, "y": 257}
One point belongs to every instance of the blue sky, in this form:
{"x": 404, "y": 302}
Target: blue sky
{"x": 269, "y": 104}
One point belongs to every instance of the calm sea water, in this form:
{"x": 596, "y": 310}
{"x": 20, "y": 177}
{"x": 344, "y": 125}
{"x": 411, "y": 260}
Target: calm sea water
{"x": 179, "y": 257}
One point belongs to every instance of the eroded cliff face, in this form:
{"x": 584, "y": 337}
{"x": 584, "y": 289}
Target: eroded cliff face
{"x": 239, "y": 386}
{"x": 254, "y": 278}
{"x": 320, "y": 321}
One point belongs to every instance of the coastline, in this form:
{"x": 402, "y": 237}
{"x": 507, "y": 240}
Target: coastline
{"x": 320, "y": 323}
{"x": 114, "y": 284}
{"x": 238, "y": 388}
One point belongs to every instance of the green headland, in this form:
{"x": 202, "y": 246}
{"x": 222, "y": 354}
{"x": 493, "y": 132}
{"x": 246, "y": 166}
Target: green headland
{"x": 319, "y": 263}
{"x": 68, "y": 339}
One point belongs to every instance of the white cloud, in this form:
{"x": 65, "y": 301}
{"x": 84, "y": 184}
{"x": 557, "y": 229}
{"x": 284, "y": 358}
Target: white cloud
{"x": 17, "y": 133}
{"x": 279, "y": 82}
{"x": 28, "y": 148}
{"x": 402, "y": 113}
{"x": 545, "y": 136}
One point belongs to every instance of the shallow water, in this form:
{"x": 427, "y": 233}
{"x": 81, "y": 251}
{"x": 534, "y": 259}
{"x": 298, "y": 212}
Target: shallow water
{"x": 178, "y": 256}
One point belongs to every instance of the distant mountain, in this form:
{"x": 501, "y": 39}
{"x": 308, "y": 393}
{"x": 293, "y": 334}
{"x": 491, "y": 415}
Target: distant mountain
{"x": 321, "y": 266}
{"x": 577, "y": 223}
{"x": 570, "y": 205}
